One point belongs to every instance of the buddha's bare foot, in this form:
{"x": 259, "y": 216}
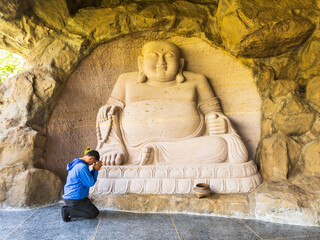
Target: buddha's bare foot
{"x": 147, "y": 155}
{"x": 113, "y": 158}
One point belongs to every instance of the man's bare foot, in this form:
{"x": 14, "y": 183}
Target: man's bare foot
{"x": 147, "y": 155}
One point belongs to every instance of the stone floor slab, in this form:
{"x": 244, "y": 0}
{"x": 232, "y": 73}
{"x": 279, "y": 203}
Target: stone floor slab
{"x": 46, "y": 223}
{"x": 192, "y": 227}
{"x": 11, "y": 219}
{"x": 268, "y": 230}
{"x": 298, "y": 238}
{"x": 124, "y": 226}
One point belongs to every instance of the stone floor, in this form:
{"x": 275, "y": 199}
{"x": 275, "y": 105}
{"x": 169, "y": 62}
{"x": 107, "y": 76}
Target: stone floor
{"x": 46, "y": 223}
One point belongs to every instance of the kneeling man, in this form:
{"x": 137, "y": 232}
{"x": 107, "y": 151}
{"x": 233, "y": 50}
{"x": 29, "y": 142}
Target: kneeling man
{"x": 76, "y": 190}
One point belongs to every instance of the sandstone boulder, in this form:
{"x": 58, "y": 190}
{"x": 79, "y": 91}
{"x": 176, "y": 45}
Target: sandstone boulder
{"x": 279, "y": 155}
{"x": 53, "y": 13}
{"x": 282, "y": 88}
{"x": 21, "y": 35}
{"x": 17, "y": 145}
{"x": 285, "y": 66}
{"x": 34, "y": 187}
{"x": 295, "y": 117}
{"x": 307, "y": 182}
{"x": 26, "y": 96}
{"x": 11, "y": 9}
{"x": 2, "y": 191}
{"x": 58, "y": 56}
{"x": 311, "y": 157}
{"x": 310, "y": 57}
{"x": 249, "y": 29}
{"x": 316, "y": 126}
{"x": 269, "y": 108}
{"x": 313, "y": 93}
{"x": 286, "y": 203}
{"x": 7, "y": 175}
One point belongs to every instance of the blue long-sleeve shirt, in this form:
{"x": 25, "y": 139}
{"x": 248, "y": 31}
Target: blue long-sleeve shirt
{"x": 79, "y": 180}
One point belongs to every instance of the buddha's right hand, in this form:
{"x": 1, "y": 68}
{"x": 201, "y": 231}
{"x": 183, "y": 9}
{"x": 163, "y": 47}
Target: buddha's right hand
{"x": 217, "y": 124}
{"x": 113, "y": 158}
{"x": 105, "y": 112}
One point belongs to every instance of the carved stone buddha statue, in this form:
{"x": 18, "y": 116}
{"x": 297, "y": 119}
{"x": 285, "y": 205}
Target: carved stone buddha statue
{"x": 165, "y": 116}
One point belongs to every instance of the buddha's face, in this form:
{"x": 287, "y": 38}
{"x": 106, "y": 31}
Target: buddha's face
{"x": 160, "y": 61}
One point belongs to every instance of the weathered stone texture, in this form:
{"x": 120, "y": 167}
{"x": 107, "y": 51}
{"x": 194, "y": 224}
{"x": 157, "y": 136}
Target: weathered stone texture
{"x": 313, "y": 93}
{"x": 180, "y": 16}
{"x": 3, "y": 191}
{"x": 281, "y": 202}
{"x": 235, "y": 205}
{"x": 316, "y": 126}
{"x": 279, "y": 155}
{"x": 21, "y": 35}
{"x": 285, "y": 203}
{"x": 295, "y": 117}
{"x": 17, "y": 145}
{"x": 269, "y": 108}
{"x": 54, "y": 54}
{"x": 309, "y": 57}
{"x": 285, "y": 66}
{"x": 258, "y": 34}
{"x": 282, "y": 88}
{"x": 52, "y": 13}
{"x": 25, "y": 96}
{"x": 311, "y": 157}
{"x": 34, "y": 187}
{"x": 285, "y": 109}
{"x": 11, "y": 9}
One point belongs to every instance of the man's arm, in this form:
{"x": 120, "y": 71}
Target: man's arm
{"x": 87, "y": 178}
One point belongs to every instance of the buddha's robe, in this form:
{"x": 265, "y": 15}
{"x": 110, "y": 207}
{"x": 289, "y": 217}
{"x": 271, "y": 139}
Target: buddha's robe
{"x": 170, "y": 119}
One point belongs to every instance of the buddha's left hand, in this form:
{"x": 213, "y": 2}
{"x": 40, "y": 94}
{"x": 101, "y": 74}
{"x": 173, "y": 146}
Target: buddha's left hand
{"x": 216, "y": 124}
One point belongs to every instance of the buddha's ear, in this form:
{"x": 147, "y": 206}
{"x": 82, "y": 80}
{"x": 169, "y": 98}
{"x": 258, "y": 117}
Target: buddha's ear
{"x": 180, "y": 78}
{"x": 141, "y": 77}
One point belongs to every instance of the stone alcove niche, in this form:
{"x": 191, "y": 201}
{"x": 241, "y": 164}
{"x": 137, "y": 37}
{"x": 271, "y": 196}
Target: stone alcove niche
{"x": 71, "y": 127}
{"x": 278, "y": 40}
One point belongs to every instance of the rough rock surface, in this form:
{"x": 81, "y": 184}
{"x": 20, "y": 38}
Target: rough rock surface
{"x": 279, "y": 155}
{"x": 311, "y": 157}
{"x": 294, "y": 117}
{"x": 34, "y": 187}
{"x": 11, "y": 9}
{"x": 313, "y": 93}
{"x": 259, "y": 33}
{"x": 278, "y": 40}
{"x": 284, "y": 202}
{"x": 233, "y": 205}
{"x": 280, "y": 202}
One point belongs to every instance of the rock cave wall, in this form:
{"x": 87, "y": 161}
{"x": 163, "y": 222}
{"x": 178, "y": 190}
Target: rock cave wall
{"x": 279, "y": 41}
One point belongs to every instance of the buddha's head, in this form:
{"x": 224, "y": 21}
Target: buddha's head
{"x": 160, "y": 61}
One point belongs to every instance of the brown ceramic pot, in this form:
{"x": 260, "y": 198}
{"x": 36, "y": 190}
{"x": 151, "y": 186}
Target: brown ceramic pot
{"x": 202, "y": 190}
